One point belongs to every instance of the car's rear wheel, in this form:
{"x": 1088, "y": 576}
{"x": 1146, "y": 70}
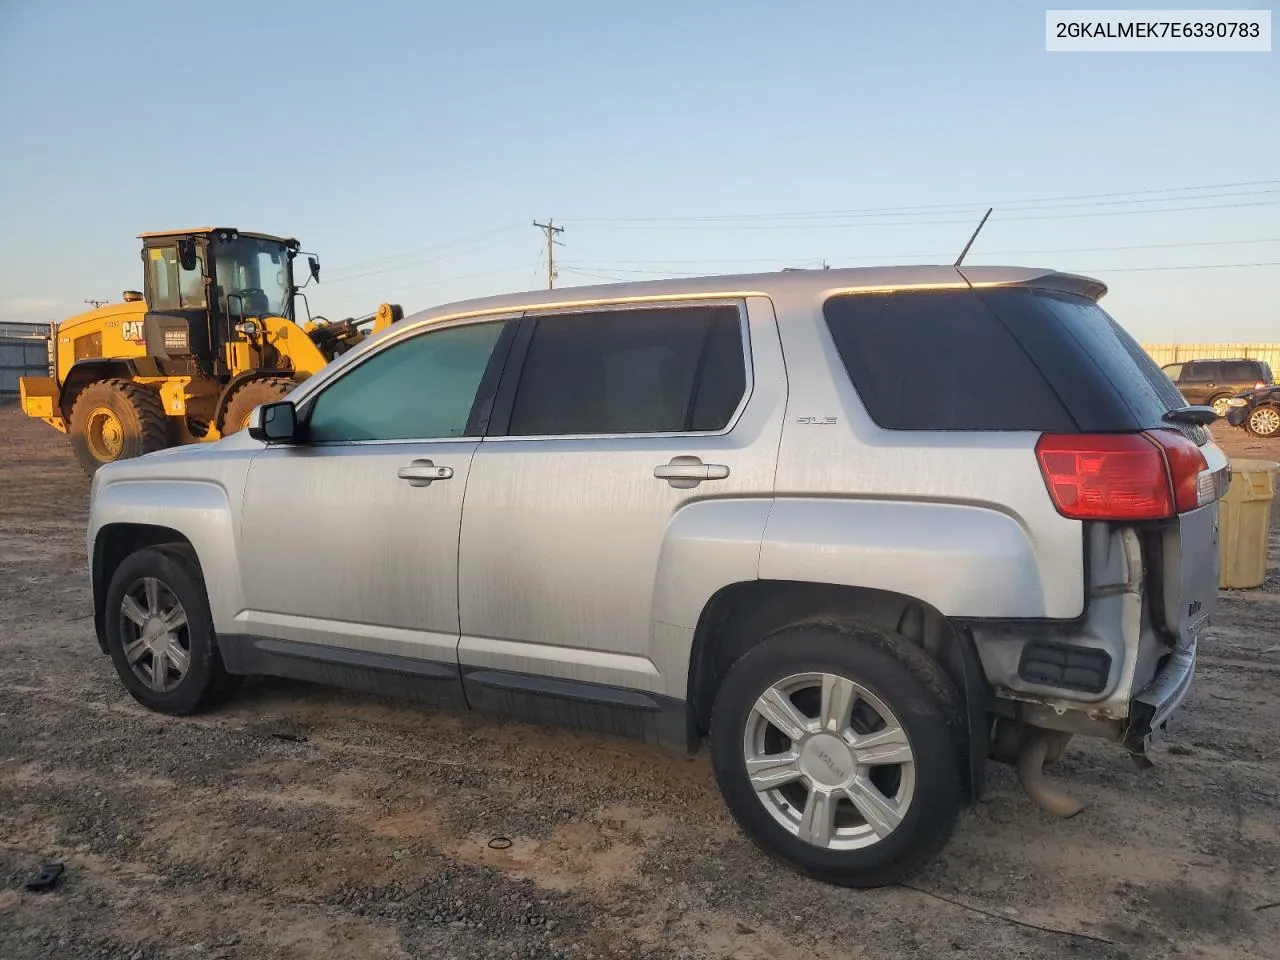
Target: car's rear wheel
{"x": 834, "y": 747}
{"x": 1219, "y": 405}
{"x": 1264, "y": 421}
{"x": 160, "y": 633}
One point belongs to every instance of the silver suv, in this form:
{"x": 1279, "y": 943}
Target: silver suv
{"x": 861, "y": 530}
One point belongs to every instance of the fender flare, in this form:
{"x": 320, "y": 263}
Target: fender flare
{"x": 91, "y": 370}
{"x": 143, "y": 513}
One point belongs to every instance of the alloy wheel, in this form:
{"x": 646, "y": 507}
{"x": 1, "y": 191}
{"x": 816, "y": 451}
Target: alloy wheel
{"x": 1265, "y": 421}
{"x": 154, "y": 634}
{"x": 829, "y": 761}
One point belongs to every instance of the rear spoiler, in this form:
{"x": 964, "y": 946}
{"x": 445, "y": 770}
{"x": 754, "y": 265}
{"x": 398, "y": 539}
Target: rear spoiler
{"x": 1072, "y": 283}
{"x": 1200, "y": 416}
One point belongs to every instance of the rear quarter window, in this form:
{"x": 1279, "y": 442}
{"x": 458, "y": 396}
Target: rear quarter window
{"x": 1239, "y": 371}
{"x": 940, "y": 360}
{"x": 1128, "y": 369}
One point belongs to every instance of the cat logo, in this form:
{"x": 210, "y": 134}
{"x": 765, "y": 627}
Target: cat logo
{"x": 132, "y": 330}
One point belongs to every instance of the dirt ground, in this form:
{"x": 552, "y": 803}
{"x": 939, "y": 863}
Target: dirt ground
{"x": 299, "y": 821}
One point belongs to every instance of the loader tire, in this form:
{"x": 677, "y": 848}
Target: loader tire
{"x": 249, "y": 395}
{"x": 116, "y": 420}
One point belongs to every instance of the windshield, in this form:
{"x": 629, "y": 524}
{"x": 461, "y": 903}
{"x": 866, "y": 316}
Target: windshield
{"x": 252, "y": 277}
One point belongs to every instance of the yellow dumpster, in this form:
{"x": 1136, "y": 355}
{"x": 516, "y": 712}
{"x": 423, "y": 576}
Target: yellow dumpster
{"x": 1244, "y": 520}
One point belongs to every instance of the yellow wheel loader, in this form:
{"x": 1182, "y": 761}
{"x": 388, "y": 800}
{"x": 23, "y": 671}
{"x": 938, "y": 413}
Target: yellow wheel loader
{"x": 211, "y": 335}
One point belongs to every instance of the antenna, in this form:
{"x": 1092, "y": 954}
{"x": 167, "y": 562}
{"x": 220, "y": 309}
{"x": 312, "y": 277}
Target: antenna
{"x": 960, "y": 258}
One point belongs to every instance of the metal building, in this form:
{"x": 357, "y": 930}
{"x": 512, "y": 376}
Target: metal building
{"x": 24, "y": 352}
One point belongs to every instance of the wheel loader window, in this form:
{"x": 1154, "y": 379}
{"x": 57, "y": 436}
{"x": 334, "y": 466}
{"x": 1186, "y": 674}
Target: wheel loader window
{"x": 422, "y": 388}
{"x": 253, "y": 276}
{"x": 171, "y": 287}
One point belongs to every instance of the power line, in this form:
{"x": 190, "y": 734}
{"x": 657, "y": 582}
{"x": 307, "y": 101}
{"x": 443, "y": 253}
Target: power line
{"x": 1086, "y": 270}
{"x": 1077, "y": 199}
{"x": 610, "y": 264}
{"x": 470, "y": 238}
{"x": 424, "y": 260}
{"x": 1187, "y": 266}
{"x": 357, "y": 294}
{"x": 550, "y": 229}
{"x": 537, "y": 266}
{"x": 866, "y": 224}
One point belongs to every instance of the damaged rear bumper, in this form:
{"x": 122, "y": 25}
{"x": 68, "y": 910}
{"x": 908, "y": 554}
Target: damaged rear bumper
{"x": 1156, "y": 703}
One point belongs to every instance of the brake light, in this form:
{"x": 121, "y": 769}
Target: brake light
{"x": 1193, "y": 484}
{"x": 1259, "y": 385}
{"x": 1124, "y": 476}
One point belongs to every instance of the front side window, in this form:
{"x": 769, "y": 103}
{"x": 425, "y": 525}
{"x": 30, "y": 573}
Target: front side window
{"x": 422, "y": 388}
{"x": 253, "y": 277}
{"x": 654, "y": 370}
{"x": 1199, "y": 372}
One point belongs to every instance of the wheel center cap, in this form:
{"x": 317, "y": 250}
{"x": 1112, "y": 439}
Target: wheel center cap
{"x": 154, "y": 633}
{"x": 826, "y": 759}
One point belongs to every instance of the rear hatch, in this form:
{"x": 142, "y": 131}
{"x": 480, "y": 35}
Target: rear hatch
{"x": 1115, "y": 393}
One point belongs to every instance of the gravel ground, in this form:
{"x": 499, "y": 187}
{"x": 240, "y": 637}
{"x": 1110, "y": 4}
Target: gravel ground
{"x": 299, "y": 821}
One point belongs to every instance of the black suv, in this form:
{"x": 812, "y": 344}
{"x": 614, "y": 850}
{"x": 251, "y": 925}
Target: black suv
{"x": 1213, "y": 382}
{"x": 1257, "y": 411}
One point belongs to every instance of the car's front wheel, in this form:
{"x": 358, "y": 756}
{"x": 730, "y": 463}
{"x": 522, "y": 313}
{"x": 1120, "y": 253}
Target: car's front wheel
{"x": 1264, "y": 421}
{"x": 160, "y": 633}
{"x": 834, "y": 747}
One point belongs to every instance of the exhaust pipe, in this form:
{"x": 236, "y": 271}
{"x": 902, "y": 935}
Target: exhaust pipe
{"x": 1037, "y": 746}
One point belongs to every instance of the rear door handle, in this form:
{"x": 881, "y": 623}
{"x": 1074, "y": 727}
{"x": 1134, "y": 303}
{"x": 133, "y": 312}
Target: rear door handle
{"x": 686, "y": 472}
{"x": 420, "y": 473}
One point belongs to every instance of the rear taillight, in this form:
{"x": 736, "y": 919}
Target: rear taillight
{"x": 1193, "y": 483}
{"x": 1259, "y": 385}
{"x": 1125, "y": 476}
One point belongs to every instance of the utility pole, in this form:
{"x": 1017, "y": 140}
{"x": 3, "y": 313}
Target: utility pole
{"x": 550, "y": 229}
{"x": 96, "y": 303}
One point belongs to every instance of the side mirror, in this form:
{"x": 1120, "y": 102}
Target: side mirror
{"x": 314, "y": 264}
{"x": 187, "y": 253}
{"x": 275, "y": 423}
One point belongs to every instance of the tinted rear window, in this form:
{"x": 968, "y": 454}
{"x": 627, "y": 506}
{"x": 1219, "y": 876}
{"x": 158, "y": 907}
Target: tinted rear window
{"x": 1128, "y": 369}
{"x": 996, "y": 359}
{"x": 940, "y": 360}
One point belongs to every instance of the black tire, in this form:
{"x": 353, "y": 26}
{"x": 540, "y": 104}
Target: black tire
{"x": 250, "y": 394}
{"x": 1249, "y": 421}
{"x": 206, "y": 682}
{"x": 136, "y": 409}
{"x": 904, "y": 679}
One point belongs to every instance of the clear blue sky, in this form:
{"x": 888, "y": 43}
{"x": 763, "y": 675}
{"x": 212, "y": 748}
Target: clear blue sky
{"x": 385, "y": 134}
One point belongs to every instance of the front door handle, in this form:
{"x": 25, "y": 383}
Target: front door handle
{"x": 420, "y": 473}
{"x": 686, "y": 472}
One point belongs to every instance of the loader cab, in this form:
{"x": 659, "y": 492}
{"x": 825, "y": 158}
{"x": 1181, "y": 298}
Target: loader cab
{"x": 200, "y": 288}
